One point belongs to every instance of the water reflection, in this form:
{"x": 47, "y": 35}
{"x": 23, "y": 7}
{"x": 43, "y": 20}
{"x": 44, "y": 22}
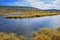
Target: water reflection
{"x": 28, "y": 25}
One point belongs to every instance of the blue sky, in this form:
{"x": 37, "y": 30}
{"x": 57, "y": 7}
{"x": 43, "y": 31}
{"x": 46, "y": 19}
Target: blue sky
{"x": 41, "y": 4}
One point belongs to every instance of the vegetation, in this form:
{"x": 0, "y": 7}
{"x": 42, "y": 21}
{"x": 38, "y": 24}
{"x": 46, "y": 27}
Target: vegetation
{"x": 41, "y": 34}
{"x": 47, "y": 34}
{"x": 25, "y": 12}
{"x": 4, "y": 13}
{"x": 11, "y": 36}
{"x": 33, "y": 14}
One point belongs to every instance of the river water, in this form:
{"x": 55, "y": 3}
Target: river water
{"x": 27, "y": 25}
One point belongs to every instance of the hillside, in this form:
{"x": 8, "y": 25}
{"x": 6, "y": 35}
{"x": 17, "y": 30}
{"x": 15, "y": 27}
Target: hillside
{"x": 25, "y": 12}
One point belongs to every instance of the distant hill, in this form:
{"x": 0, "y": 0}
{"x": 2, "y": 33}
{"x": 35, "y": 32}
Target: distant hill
{"x": 17, "y": 8}
{"x": 26, "y": 12}
{"x": 22, "y": 7}
{"x": 53, "y": 10}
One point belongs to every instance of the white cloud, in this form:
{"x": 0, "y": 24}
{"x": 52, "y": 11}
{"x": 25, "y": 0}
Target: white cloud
{"x": 56, "y": 4}
{"x": 17, "y": 4}
{"x": 38, "y": 4}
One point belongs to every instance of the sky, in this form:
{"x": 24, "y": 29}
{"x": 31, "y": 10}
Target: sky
{"x": 41, "y": 4}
